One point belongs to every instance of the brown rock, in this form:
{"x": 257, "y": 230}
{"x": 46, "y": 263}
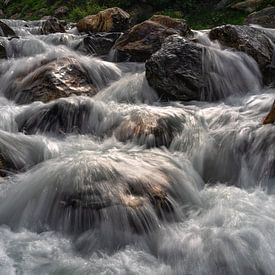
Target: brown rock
{"x": 270, "y": 118}
{"x": 59, "y": 78}
{"x": 172, "y": 23}
{"x": 109, "y": 20}
{"x": 144, "y": 39}
{"x": 152, "y": 129}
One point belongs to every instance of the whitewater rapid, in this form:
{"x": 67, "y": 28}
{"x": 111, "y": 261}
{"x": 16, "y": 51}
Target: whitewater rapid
{"x": 122, "y": 183}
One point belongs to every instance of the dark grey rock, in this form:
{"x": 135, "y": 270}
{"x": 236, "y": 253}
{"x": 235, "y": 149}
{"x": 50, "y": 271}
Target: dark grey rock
{"x": 251, "y": 41}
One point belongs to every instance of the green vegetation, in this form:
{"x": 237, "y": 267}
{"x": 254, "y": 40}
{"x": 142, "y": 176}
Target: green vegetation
{"x": 199, "y": 13}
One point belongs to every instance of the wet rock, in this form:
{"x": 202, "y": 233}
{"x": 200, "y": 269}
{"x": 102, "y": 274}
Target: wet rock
{"x": 270, "y": 118}
{"x": 175, "y": 71}
{"x": 15, "y": 16}
{"x": 246, "y": 39}
{"x": 65, "y": 116}
{"x": 144, "y": 39}
{"x": 265, "y": 18}
{"x": 248, "y": 5}
{"x": 109, "y": 20}
{"x": 3, "y": 53}
{"x": 52, "y": 25}
{"x": 102, "y": 189}
{"x": 61, "y": 12}
{"x": 98, "y": 43}
{"x": 151, "y": 129}
{"x": 5, "y": 30}
{"x": 179, "y": 25}
{"x": 60, "y": 78}
{"x": 184, "y": 70}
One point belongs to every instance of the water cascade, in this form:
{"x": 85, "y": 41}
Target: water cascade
{"x": 99, "y": 176}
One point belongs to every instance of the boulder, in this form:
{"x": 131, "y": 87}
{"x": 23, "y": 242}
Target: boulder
{"x": 152, "y": 128}
{"x": 98, "y": 43}
{"x": 61, "y": 12}
{"x": 183, "y": 70}
{"x": 109, "y": 20}
{"x": 5, "y": 30}
{"x": 144, "y": 39}
{"x": 175, "y": 71}
{"x": 252, "y": 41}
{"x": 179, "y": 25}
{"x": 248, "y": 5}
{"x": 270, "y": 118}
{"x": 265, "y": 18}
{"x": 52, "y": 25}
{"x": 59, "y": 78}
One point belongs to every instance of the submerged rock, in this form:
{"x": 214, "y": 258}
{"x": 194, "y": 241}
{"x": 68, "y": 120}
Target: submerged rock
{"x": 92, "y": 189}
{"x": 52, "y": 25}
{"x": 144, "y": 39}
{"x": 270, "y": 118}
{"x": 19, "y": 152}
{"x": 5, "y": 30}
{"x": 109, "y": 20}
{"x": 59, "y": 78}
{"x": 66, "y": 116}
{"x": 151, "y": 127}
{"x": 265, "y": 18}
{"x": 246, "y": 39}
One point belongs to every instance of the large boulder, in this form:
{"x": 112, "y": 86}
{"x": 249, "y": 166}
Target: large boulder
{"x": 59, "y": 78}
{"x": 252, "y": 41}
{"x": 109, "y": 20}
{"x": 184, "y": 70}
{"x": 144, "y": 39}
{"x": 247, "y": 5}
{"x": 5, "y": 30}
{"x": 175, "y": 71}
{"x": 52, "y": 25}
{"x": 265, "y": 18}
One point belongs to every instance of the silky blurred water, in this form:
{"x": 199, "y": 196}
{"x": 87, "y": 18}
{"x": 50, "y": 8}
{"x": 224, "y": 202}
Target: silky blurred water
{"x": 122, "y": 183}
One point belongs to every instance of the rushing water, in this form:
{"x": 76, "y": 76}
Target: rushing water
{"x": 121, "y": 183}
